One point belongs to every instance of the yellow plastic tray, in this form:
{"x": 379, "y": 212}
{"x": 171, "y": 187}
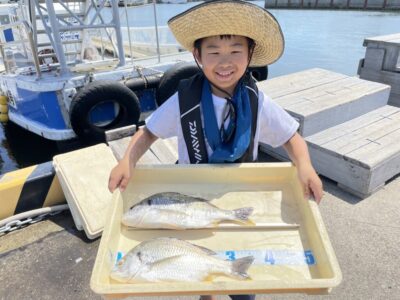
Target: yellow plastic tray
{"x": 275, "y": 193}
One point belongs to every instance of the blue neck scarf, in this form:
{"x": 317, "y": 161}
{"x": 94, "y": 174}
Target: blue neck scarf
{"x": 239, "y": 129}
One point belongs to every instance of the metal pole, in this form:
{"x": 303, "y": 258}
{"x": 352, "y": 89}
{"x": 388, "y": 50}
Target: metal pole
{"x": 33, "y": 20}
{"x": 156, "y": 27}
{"x": 129, "y": 31}
{"x": 4, "y": 59}
{"x": 117, "y": 27}
{"x": 29, "y": 33}
{"x": 56, "y": 37}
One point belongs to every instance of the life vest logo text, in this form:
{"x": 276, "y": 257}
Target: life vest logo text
{"x": 195, "y": 141}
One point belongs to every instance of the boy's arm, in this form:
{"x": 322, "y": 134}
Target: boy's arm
{"x": 297, "y": 150}
{"x": 121, "y": 173}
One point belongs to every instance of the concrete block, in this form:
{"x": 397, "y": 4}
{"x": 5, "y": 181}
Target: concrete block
{"x": 376, "y": 40}
{"x": 394, "y": 99}
{"x": 374, "y": 58}
{"x": 365, "y": 151}
{"x": 320, "y": 99}
{"x": 390, "y": 78}
{"x": 391, "y": 57}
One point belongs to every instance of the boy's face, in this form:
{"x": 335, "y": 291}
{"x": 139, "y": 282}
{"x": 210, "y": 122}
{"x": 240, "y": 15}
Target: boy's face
{"x": 224, "y": 61}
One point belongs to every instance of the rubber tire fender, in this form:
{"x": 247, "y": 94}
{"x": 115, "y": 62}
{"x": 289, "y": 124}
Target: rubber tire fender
{"x": 171, "y": 78}
{"x": 93, "y": 94}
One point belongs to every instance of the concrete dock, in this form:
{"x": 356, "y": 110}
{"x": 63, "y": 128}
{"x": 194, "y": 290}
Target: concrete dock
{"x": 53, "y": 260}
{"x": 382, "y": 63}
{"x": 335, "y": 4}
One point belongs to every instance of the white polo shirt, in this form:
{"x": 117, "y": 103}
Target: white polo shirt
{"x": 274, "y": 125}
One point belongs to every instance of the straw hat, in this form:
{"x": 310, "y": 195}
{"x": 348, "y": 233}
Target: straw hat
{"x": 231, "y": 17}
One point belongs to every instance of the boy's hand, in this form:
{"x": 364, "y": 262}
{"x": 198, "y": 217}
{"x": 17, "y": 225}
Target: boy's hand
{"x": 119, "y": 176}
{"x": 312, "y": 184}
{"x": 121, "y": 173}
{"x": 297, "y": 150}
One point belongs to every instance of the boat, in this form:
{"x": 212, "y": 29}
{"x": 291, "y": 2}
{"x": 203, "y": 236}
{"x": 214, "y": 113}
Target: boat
{"x": 174, "y": 1}
{"x": 69, "y": 73}
{"x": 131, "y": 2}
{"x": 4, "y": 12}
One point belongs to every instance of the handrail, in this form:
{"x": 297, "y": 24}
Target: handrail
{"x": 29, "y": 33}
{"x": 156, "y": 28}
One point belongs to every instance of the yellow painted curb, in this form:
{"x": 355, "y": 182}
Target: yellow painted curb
{"x": 3, "y": 100}
{"x": 4, "y": 117}
{"x": 4, "y": 108}
{"x": 29, "y": 188}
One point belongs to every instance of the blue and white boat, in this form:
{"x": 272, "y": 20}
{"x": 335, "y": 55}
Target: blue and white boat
{"x": 174, "y": 1}
{"x": 66, "y": 72}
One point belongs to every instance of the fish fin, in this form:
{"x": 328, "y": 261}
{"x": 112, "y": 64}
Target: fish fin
{"x": 242, "y": 214}
{"x": 240, "y": 266}
{"x": 206, "y": 250}
{"x": 174, "y": 197}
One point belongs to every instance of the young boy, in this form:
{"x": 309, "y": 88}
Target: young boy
{"x": 221, "y": 109}
{"x": 225, "y": 38}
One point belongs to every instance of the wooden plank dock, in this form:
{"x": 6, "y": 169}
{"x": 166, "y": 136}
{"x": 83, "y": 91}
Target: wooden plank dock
{"x": 353, "y": 136}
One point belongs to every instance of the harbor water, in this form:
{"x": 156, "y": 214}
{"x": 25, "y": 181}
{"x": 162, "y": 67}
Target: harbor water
{"x": 329, "y": 39}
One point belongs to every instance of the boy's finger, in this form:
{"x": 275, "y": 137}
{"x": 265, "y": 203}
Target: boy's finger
{"x": 317, "y": 192}
{"x": 123, "y": 184}
{"x": 306, "y": 191}
{"x": 111, "y": 185}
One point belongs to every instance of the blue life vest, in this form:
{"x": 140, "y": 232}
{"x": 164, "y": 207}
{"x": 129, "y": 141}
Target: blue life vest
{"x": 189, "y": 94}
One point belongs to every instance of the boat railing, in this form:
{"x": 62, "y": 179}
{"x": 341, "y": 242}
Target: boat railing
{"x": 17, "y": 48}
{"x": 58, "y": 35}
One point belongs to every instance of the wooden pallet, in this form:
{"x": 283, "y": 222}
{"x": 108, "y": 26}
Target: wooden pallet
{"x": 320, "y": 99}
{"x": 360, "y": 155}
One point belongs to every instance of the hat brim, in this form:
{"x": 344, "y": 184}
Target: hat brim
{"x": 231, "y": 18}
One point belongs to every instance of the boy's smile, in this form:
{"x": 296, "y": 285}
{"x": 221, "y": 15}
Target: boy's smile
{"x": 224, "y": 61}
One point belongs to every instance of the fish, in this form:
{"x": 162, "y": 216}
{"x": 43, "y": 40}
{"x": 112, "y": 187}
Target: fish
{"x": 171, "y": 210}
{"x": 167, "y": 259}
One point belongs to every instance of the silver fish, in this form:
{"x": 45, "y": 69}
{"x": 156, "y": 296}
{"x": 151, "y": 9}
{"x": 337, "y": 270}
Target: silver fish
{"x": 179, "y": 211}
{"x": 171, "y": 259}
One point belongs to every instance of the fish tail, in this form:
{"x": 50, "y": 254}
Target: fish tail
{"x": 243, "y": 213}
{"x": 240, "y": 266}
